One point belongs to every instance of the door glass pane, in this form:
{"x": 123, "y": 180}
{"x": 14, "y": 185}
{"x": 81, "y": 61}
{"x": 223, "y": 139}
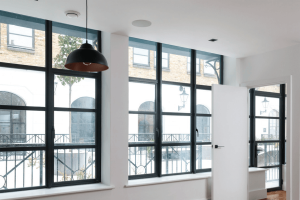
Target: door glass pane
{"x": 141, "y": 97}
{"x": 74, "y": 92}
{"x": 22, "y": 39}
{"x": 141, "y": 59}
{"x": 174, "y": 64}
{"x": 74, "y": 164}
{"x": 67, "y": 38}
{"x": 266, "y": 106}
{"x": 203, "y": 157}
{"x": 267, "y": 154}
{"x": 176, "y": 98}
{"x": 266, "y": 129}
{"x": 74, "y": 128}
{"x": 203, "y": 102}
{"x": 22, "y": 128}
{"x": 141, "y": 128}
{"x": 272, "y": 177}
{"x": 22, "y": 169}
{"x": 203, "y": 125}
{"x": 209, "y": 68}
{"x": 141, "y": 160}
{"x": 176, "y": 128}
{"x": 20, "y": 87}
{"x": 176, "y": 159}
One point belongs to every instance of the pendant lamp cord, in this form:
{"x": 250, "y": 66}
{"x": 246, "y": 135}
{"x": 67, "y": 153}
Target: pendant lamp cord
{"x": 86, "y": 18}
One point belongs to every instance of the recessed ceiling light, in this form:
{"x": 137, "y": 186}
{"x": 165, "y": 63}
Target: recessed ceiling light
{"x": 72, "y": 14}
{"x": 141, "y": 23}
{"x": 213, "y": 40}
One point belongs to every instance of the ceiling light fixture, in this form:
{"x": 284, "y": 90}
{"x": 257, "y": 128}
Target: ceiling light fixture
{"x": 141, "y": 23}
{"x": 72, "y": 14}
{"x": 213, "y": 40}
{"x": 86, "y": 58}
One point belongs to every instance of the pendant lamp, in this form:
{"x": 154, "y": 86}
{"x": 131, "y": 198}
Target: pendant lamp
{"x": 86, "y": 58}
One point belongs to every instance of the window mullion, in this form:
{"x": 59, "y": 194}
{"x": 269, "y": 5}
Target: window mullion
{"x": 49, "y": 158}
{"x": 193, "y": 110}
{"x": 158, "y": 133}
{"x": 98, "y": 118}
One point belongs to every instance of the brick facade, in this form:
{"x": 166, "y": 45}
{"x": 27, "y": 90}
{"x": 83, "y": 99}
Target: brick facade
{"x": 177, "y": 72}
{"x": 19, "y": 56}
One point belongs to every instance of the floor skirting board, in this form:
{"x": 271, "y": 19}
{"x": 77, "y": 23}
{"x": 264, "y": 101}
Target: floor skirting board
{"x": 257, "y": 194}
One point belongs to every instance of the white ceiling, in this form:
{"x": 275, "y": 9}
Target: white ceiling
{"x": 242, "y": 27}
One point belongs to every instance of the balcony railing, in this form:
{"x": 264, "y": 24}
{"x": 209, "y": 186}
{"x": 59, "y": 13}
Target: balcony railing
{"x": 149, "y": 137}
{"x": 20, "y": 169}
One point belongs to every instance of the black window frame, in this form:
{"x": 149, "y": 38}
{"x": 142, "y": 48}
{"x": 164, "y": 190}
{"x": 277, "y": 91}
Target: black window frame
{"x": 49, "y": 110}
{"x": 158, "y": 144}
{"x": 281, "y": 140}
{"x": 20, "y": 48}
{"x": 197, "y": 66}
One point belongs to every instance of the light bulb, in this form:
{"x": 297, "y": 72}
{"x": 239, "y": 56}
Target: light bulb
{"x": 87, "y": 64}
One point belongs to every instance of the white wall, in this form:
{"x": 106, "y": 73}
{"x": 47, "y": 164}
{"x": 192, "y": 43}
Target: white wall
{"x": 231, "y": 71}
{"x": 271, "y": 66}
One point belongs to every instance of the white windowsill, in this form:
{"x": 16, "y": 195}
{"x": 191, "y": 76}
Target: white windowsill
{"x": 167, "y": 179}
{"x": 177, "y": 178}
{"x": 256, "y": 169}
{"x": 29, "y": 194}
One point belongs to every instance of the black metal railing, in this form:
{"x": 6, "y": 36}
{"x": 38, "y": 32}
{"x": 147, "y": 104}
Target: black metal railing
{"x": 149, "y": 137}
{"x": 20, "y": 169}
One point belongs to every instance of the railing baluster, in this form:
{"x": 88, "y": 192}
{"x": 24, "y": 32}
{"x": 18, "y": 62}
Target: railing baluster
{"x": 15, "y": 181}
{"x": 32, "y": 170}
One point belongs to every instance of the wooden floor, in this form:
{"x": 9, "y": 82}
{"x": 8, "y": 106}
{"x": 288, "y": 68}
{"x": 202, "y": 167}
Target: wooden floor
{"x": 276, "y": 195}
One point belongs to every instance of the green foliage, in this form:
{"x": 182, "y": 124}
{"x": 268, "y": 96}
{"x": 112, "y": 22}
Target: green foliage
{"x": 67, "y": 44}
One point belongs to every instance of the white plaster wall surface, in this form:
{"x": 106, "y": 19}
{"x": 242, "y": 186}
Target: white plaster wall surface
{"x": 273, "y": 65}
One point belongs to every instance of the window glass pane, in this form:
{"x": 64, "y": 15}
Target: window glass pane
{"x": 74, "y": 92}
{"x": 209, "y": 68}
{"x": 271, "y": 88}
{"x": 141, "y": 128}
{"x": 74, "y": 128}
{"x": 175, "y": 98}
{"x": 20, "y": 30}
{"x": 267, "y": 154}
{"x": 22, "y": 39}
{"x": 203, "y": 102}
{"x": 67, "y": 38}
{"x": 22, "y": 169}
{"x": 22, "y": 87}
{"x": 141, "y": 58}
{"x": 176, "y": 159}
{"x": 272, "y": 177}
{"x": 22, "y": 128}
{"x": 141, "y": 160}
{"x": 174, "y": 64}
{"x": 141, "y": 97}
{"x": 74, "y": 164}
{"x": 266, "y": 106}
{"x": 266, "y": 129}
{"x": 203, "y": 157}
{"x": 176, "y": 128}
{"x": 203, "y": 125}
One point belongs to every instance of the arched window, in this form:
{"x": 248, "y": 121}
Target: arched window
{"x": 83, "y": 123}
{"x": 146, "y": 122}
{"x": 274, "y": 125}
{"x": 12, "y": 122}
{"x": 203, "y": 124}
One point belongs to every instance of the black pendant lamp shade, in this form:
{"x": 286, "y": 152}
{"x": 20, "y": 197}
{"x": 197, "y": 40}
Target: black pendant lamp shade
{"x": 86, "y": 58}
